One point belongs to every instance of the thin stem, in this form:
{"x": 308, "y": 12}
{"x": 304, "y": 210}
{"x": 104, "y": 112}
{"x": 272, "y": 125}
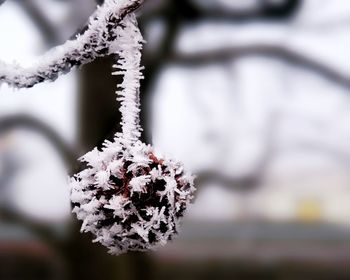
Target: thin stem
{"x": 128, "y": 46}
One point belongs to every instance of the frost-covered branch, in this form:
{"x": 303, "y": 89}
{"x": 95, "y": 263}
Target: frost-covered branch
{"x": 95, "y": 42}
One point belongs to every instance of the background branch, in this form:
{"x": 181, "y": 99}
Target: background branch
{"x": 50, "y": 32}
{"x": 272, "y": 51}
{"x": 67, "y": 153}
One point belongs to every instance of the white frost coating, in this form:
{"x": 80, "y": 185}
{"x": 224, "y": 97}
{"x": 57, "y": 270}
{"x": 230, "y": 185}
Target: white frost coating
{"x": 95, "y": 42}
{"x": 129, "y": 199}
{"x": 128, "y": 45}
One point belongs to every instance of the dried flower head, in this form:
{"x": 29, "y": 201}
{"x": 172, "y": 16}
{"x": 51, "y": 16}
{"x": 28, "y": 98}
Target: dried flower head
{"x": 129, "y": 198}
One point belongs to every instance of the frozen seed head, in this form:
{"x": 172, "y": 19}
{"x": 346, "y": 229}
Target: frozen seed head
{"x": 128, "y": 198}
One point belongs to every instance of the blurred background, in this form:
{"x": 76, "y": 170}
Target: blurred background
{"x": 253, "y": 96}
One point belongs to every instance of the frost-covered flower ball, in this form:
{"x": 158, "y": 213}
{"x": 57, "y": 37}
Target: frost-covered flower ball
{"x": 128, "y": 198}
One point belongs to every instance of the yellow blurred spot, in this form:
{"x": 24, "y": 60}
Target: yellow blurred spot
{"x": 309, "y": 210}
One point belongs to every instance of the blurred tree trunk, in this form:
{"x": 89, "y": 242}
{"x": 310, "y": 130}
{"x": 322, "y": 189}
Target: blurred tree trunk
{"x": 98, "y": 113}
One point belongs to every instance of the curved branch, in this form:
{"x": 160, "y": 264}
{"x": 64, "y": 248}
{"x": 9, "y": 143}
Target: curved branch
{"x": 95, "y": 42}
{"x": 25, "y": 121}
{"x": 268, "y": 50}
{"x": 37, "y": 14}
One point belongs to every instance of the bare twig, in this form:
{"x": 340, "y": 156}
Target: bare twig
{"x": 47, "y": 28}
{"x": 28, "y": 122}
{"x": 273, "y": 51}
